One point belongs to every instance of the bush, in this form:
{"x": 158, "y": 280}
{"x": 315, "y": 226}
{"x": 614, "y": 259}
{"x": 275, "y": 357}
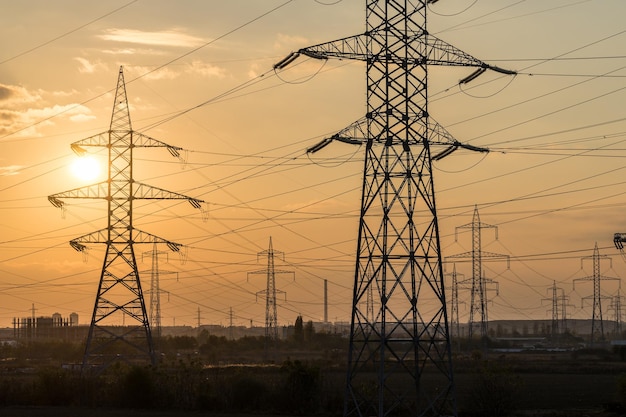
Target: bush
{"x": 494, "y": 392}
{"x": 301, "y": 391}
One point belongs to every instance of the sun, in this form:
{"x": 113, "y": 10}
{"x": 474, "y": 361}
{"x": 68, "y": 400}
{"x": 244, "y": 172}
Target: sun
{"x": 85, "y": 168}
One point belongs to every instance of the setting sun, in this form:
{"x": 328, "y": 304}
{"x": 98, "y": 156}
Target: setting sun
{"x": 86, "y": 168}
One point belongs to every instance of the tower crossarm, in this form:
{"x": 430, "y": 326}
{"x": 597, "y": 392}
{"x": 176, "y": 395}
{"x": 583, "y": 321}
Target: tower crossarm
{"x": 619, "y": 239}
{"x": 99, "y": 190}
{"x": 102, "y": 236}
{"x": 275, "y": 271}
{"x": 144, "y": 141}
{"x": 264, "y": 293}
{"x": 99, "y": 236}
{"x": 149, "y": 192}
{"x": 139, "y": 140}
{"x": 356, "y": 134}
{"x": 144, "y": 237}
{"x": 426, "y": 49}
{"x": 99, "y": 140}
{"x": 493, "y": 255}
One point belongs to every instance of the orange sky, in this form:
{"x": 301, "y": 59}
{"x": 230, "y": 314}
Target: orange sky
{"x": 553, "y": 182}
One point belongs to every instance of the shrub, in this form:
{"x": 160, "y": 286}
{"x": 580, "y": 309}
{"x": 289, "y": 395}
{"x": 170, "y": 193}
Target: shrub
{"x": 494, "y": 391}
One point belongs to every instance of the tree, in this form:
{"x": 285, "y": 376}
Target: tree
{"x": 298, "y": 330}
{"x": 309, "y": 331}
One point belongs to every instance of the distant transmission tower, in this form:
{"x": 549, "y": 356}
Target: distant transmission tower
{"x": 155, "y": 290}
{"x": 120, "y": 295}
{"x": 455, "y": 325}
{"x": 597, "y": 326}
{"x": 479, "y": 284}
{"x": 398, "y": 228}
{"x": 269, "y": 293}
{"x": 564, "y": 305}
{"x": 556, "y": 295}
{"x": 616, "y": 307}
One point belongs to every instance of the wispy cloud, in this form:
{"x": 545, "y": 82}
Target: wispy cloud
{"x": 10, "y": 170}
{"x": 205, "y": 70}
{"x": 286, "y": 42}
{"x": 10, "y": 95}
{"x": 195, "y": 67}
{"x": 174, "y": 38}
{"x": 87, "y": 67}
{"x": 22, "y": 110}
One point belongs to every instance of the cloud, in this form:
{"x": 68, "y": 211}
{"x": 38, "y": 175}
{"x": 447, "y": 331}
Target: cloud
{"x": 254, "y": 70}
{"x": 132, "y": 51}
{"x": 286, "y": 42}
{"x": 10, "y": 170}
{"x": 162, "y": 38}
{"x": 205, "y": 70}
{"x": 23, "y": 112}
{"x": 172, "y": 72}
{"x": 88, "y": 67}
{"x": 11, "y": 95}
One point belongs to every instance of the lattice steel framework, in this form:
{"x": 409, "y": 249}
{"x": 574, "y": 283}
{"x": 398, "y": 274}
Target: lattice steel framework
{"x": 270, "y": 291}
{"x": 479, "y": 284}
{"x": 154, "y": 311}
{"x": 398, "y": 249}
{"x": 556, "y": 295}
{"x": 120, "y": 294}
{"x": 597, "y": 324}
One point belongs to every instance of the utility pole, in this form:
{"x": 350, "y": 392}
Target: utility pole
{"x": 398, "y": 239}
{"x": 271, "y": 318}
{"x": 325, "y": 301}
{"x": 230, "y": 324}
{"x": 120, "y": 294}
{"x": 597, "y": 326}
{"x": 479, "y": 284}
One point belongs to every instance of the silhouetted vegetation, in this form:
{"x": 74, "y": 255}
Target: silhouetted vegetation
{"x": 303, "y": 374}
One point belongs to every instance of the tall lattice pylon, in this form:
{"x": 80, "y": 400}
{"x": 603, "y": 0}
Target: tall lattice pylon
{"x": 479, "y": 284}
{"x": 270, "y": 291}
{"x": 398, "y": 248}
{"x": 120, "y": 296}
{"x": 455, "y": 324}
{"x": 154, "y": 311}
{"x": 556, "y": 294}
{"x": 597, "y": 324}
{"x": 616, "y": 306}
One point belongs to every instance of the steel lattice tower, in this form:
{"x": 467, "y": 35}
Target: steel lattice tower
{"x": 597, "y": 325}
{"x": 120, "y": 295}
{"x": 478, "y": 295}
{"x": 154, "y": 311}
{"x": 398, "y": 247}
{"x": 554, "y": 301}
{"x": 269, "y": 293}
{"x": 616, "y": 306}
{"x": 455, "y": 324}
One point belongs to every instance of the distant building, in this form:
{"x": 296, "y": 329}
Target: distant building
{"x": 46, "y": 328}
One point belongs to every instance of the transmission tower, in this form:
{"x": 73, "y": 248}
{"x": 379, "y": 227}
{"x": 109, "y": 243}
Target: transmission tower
{"x": 564, "y": 305}
{"x": 479, "y": 284}
{"x": 616, "y": 307}
{"x": 155, "y": 289}
{"x": 556, "y": 295}
{"x": 597, "y": 326}
{"x": 269, "y": 293}
{"x": 455, "y": 324}
{"x": 398, "y": 227}
{"x": 120, "y": 294}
